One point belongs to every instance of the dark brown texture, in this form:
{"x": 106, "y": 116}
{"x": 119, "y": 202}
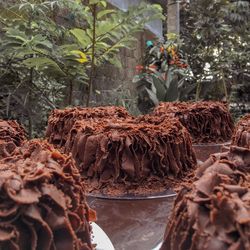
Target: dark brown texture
{"x": 214, "y": 213}
{"x": 241, "y": 135}
{"x": 12, "y": 135}
{"x": 61, "y": 121}
{"x": 112, "y": 152}
{"x": 206, "y": 121}
{"x": 42, "y": 201}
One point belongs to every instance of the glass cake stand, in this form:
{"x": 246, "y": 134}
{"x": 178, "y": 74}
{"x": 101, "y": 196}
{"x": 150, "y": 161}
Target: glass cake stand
{"x": 133, "y": 221}
{"x": 204, "y": 150}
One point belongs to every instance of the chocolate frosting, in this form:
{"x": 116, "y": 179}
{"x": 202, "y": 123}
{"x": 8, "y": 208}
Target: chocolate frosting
{"x": 12, "y": 135}
{"x": 241, "y": 135}
{"x": 61, "y": 121}
{"x": 113, "y": 151}
{"x": 214, "y": 213}
{"x": 42, "y": 201}
{"x": 206, "y": 121}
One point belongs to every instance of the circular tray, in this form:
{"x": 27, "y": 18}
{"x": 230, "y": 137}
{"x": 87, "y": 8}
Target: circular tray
{"x": 165, "y": 194}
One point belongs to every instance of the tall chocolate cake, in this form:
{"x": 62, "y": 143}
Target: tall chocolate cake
{"x": 206, "y": 121}
{"x": 42, "y": 201}
{"x": 61, "y": 121}
{"x": 112, "y": 152}
{"x": 12, "y": 135}
{"x": 241, "y": 135}
{"x": 214, "y": 213}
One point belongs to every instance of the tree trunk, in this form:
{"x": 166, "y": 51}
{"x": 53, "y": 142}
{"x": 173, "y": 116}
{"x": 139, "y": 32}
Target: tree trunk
{"x": 92, "y": 69}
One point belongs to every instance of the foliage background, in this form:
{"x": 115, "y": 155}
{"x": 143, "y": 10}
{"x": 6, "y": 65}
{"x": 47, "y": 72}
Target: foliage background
{"x": 50, "y": 47}
{"x": 217, "y": 42}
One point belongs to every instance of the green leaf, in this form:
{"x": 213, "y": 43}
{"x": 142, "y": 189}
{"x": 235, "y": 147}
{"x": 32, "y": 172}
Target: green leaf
{"x": 172, "y": 93}
{"x": 82, "y": 38}
{"x": 160, "y": 88}
{"x": 94, "y": 1}
{"x": 152, "y": 96}
{"x": 116, "y": 62}
{"x": 103, "y": 3}
{"x": 103, "y": 13}
{"x": 43, "y": 64}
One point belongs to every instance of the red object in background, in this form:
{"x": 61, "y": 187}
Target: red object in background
{"x": 139, "y": 68}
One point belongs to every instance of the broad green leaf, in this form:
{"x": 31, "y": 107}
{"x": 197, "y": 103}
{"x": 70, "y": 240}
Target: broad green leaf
{"x": 160, "y": 87}
{"x": 152, "y": 96}
{"x": 81, "y": 36}
{"x": 94, "y": 1}
{"x": 116, "y": 62}
{"x": 80, "y": 56}
{"x": 172, "y": 93}
{"x": 103, "y": 13}
{"x": 43, "y": 64}
{"x": 103, "y": 3}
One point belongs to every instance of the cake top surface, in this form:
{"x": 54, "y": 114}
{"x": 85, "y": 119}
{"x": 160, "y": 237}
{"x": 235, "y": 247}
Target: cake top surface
{"x": 207, "y": 122}
{"x": 91, "y": 112}
{"x": 129, "y": 127}
{"x": 187, "y": 107}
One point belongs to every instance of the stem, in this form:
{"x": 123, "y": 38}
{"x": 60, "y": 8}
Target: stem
{"x": 224, "y": 85}
{"x": 92, "y": 70}
{"x": 29, "y": 104}
{"x": 70, "y": 92}
{"x": 198, "y": 90}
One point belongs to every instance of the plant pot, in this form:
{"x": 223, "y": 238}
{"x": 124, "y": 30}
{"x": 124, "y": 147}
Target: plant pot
{"x": 204, "y": 150}
{"x": 133, "y": 222}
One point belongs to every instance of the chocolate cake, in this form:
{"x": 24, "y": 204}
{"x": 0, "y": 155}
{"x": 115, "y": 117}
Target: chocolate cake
{"x": 214, "y": 213}
{"x": 241, "y": 135}
{"x": 12, "y": 135}
{"x": 112, "y": 152}
{"x": 206, "y": 121}
{"x": 61, "y": 121}
{"x": 42, "y": 201}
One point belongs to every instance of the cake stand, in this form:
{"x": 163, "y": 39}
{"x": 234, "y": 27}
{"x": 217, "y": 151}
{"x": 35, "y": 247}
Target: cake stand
{"x": 204, "y": 150}
{"x": 133, "y": 221}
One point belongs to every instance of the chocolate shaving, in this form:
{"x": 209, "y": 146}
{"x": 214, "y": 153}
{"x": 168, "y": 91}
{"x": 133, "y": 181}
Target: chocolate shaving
{"x": 206, "y": 121}
{"x": 214, "y": 213}
{"x": 12, "y": 135}
{"x": 241, "y": 135}
{"x": 43, "y": 204}
{"x": 61, "y": 121}
{"x": 110, "y": 152}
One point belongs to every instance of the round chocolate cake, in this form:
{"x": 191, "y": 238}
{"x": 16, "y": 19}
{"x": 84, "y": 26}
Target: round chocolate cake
{"x": 61, "y": 121}
{"x": 241, "y": 135}
{"x": 128, "y": 153}
{"x": 42, "y": 201}
{"x": 206, "y": 121}
{"x": 12, "y": 135}
{"x": 214, "y": 213}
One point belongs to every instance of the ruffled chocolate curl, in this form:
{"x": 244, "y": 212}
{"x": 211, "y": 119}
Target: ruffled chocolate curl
{"x": 206, "y": 121}
{"x": 214, "y": 214}
{"x": 241, "y": 135}
{"x": 112, "y": 151}
{"x": 42, "y": 201}
{"x": 61, "y": 121}
{"x": 12, "y": 135}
